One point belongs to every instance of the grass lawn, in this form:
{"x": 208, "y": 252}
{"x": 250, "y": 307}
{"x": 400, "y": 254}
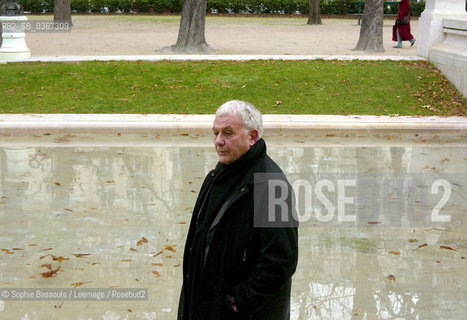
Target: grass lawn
{"x": 300, "y": 87}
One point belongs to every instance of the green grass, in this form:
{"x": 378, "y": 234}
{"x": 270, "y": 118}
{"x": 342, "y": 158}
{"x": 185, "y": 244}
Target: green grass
{"x": 284, "y": 87}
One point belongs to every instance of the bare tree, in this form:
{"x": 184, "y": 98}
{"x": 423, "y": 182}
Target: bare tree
{"x": 192, "y": 29}
{"x": 314, "y": 15}
{"x": 371, "y": 31}
{"x": 62, "y": 10}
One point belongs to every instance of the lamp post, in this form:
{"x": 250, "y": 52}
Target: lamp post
{"x": 13, "y": 45}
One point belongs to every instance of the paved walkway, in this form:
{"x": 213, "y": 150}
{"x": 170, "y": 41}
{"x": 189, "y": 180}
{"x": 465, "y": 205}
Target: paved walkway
{"x": 100, "y": 37}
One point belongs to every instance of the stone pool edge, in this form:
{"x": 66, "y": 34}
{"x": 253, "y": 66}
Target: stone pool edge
{"x": 176, "y": 123}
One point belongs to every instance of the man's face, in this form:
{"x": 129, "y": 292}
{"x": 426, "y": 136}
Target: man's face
{"x": 230, "y": 139}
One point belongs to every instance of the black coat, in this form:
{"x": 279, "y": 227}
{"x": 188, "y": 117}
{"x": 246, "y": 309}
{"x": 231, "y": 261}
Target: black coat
{"x": 252, "y": 264}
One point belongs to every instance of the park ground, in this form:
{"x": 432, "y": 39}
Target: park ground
{"x": 144, "y": 34}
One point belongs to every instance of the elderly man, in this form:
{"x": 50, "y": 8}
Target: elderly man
{"x": 235, "y": 266}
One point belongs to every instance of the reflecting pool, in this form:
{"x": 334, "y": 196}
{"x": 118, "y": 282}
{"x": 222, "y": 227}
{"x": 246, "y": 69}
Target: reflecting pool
{"x": 78, "y": 211}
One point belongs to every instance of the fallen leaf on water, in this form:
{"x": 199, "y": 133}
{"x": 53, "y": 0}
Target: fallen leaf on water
{"x": 391, "y": 277}
{"x": 447, "y": 248}
{"x": 59, "y": 259}
{"x": 46, "y": 265}
{"x": 397, "y": 253}
{"x": 156, "y": 273}
{"x": 50, "y": 273}
{"x": 423, "y": 245}
{"x": 156, "y": 254}
{"x": 77, "y": 284}
{"x": 170, "y": 248}
{"x": 140, "y": 242}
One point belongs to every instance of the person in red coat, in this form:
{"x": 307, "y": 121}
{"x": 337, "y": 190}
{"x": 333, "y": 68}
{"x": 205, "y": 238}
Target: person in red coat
{"x": 401, "y": 30}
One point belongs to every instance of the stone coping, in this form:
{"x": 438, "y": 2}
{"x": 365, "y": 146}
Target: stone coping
{"x": 213, "y": 57}
{"x": 175, "y": 123}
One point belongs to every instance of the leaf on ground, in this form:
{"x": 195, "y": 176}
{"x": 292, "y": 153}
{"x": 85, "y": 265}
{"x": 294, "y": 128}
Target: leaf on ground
{"x": 156, "y": 273}
{"x": 157, "y": 264}
{"x": 126, "y": 260}
{"x": 423, "y": 245}
{"x": 397, "y": 253}
{"x": 413, "y": 240}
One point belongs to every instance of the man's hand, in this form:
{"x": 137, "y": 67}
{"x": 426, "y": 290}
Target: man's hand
{"x": 231, "y": 301}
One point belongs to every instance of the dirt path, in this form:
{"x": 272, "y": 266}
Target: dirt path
{"x": 135, "y": 35}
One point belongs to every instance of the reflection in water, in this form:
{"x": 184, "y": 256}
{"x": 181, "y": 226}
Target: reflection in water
{"x": 86, "y": 209}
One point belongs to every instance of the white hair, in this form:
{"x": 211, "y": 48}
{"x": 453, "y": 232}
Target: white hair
{"x": 251, "y": 117}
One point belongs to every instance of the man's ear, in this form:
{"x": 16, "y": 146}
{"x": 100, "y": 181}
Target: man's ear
{"x": 253, "y": 137}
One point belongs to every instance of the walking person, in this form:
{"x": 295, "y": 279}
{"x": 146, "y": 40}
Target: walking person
{"x": 232, "y": 267}
{"x": 401, "y": 30}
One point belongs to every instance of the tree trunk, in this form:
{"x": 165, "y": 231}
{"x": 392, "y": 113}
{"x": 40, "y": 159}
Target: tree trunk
{"x": 371, "y": 31}
{"x": 192, "y": 29}
{"x": 314, "y": 15}
{"x": 62, "y": 10}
